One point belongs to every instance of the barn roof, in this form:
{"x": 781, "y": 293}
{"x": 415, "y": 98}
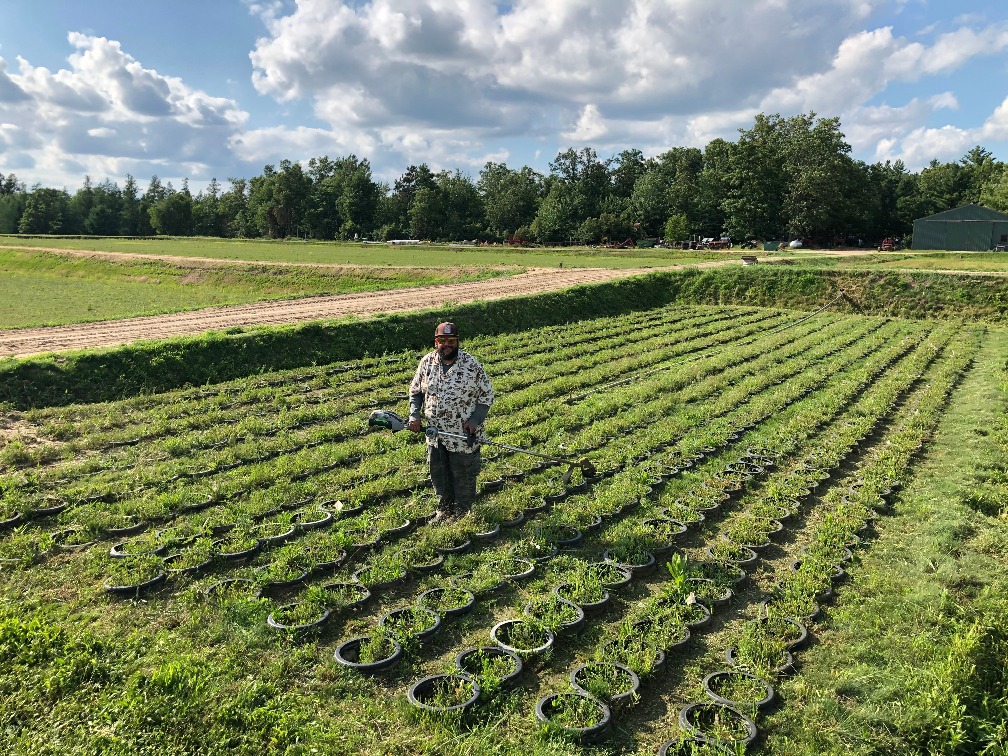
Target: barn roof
{"x": 968, "y": 213}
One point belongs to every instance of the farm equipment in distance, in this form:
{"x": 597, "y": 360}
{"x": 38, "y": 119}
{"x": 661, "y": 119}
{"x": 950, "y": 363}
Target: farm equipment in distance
{"x": 711, "y": 243}
{"x": 889, "y": 244}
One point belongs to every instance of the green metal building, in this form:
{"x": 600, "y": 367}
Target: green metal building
{"x": 970, "y": 228}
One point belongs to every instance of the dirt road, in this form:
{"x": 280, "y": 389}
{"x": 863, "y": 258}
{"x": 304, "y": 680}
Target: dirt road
{"x": 28, "y": 341}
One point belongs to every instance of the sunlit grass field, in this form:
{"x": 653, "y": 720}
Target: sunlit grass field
{"x": 40, "y": 288}
{"x": 344, "y": 253}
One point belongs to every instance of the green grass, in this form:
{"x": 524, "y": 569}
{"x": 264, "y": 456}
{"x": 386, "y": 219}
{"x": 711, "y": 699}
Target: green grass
{"x": 39, "y": 288}
{"x": 345, "y": 253}
{"x": 912, "y": 657}
{"x": 958, "y": 261}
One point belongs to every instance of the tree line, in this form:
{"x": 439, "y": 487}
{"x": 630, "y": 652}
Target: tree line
{"x": 783, "y": 178}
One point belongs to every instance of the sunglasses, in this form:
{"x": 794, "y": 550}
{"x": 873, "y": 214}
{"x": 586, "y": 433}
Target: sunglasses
{"x": 449, "y": 340}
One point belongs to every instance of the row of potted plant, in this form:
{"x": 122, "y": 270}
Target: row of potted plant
{"x": 763, "y": 649}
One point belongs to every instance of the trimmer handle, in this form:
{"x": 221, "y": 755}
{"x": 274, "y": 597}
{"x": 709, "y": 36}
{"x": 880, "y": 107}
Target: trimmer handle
{"x": 432, "y": 433}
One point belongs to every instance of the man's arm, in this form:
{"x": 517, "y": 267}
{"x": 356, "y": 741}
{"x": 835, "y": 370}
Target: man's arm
{"x": 416, "y": 405}
{"x": 416, "y": 398}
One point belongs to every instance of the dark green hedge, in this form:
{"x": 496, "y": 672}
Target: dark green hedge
{"x": 91, "y": 376}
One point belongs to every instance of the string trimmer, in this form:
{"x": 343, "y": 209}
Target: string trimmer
{"x": 391, "y": 421}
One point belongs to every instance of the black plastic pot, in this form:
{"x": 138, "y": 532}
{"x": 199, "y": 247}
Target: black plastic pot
{"x": 572, "y": 537}
{"x": 328, "y": 566}
{"x": 688, "y": 746}
{"x": 274, "y": 587}
{"x": 193, "y": 569}
{"x": 458, "y": 548}
{"x": 276, "y": 539}
{"x": 709, "y": 586}
{"x": 276, "y": 624}
{"x": 432, "y": 599}
{"x": 234, "y": 556}
{"x": 389, "y": 620}
{"x": 430, "y": 566}
{"x": 613, "y": 576}
{"x": 637, "y": 570}
{"x": 795, "y": 627}
{"x": 360, "y": 593}
{"x": 566, "y": 627}
{"x": 525, "y": 567}
{"x": 396, "y": 531}
{"x": 564, "y": 591}
{"x": 616, "y": 701}
{"x": 61, "y": 537}
{"x": 650, "y": 626}
{"x": 692, "y": 720}
{"x": 500, "y": 635}
{"x": 121, "y": 549}
{"x": 52, "y": 508}
{"x": 545, "y": 712}
{"x": 616, "y": 649}
{"x": 129, "y": 529}
{"x": 712, "y": 681}
{"x": 363, "y": 576}
{"x": 467, "y": 662}
{"x": 765, "y": 604}
{"x": 785, "y": 667}
{"x": 232, "y": 584}
{"x": 423, "y": 694}
{"x": 488, "y": 535}
{"x": 137, "y": 589}
{"x": 747, "y": 556}
{"x": 325, "y": 520}
{"x": 347, "y": 654}
{"x": 490, "y": 486}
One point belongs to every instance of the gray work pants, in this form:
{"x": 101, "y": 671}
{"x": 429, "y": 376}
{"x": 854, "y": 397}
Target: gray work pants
{"x": 454, "y": 476}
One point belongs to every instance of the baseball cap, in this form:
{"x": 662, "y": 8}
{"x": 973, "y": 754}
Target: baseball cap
{"x": 446, "y": 329}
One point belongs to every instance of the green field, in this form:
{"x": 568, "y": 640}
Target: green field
{"x": 39, "y": 288}
{"x": 992, "y": 262}
{"x": 869, "y": 449}
{"x": 344, "y": 253}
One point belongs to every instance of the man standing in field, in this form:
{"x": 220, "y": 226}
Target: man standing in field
{"x": 452, "y": 391}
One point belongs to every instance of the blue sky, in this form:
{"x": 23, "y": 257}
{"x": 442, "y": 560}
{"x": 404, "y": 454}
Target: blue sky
{"x": 220, "y": 88}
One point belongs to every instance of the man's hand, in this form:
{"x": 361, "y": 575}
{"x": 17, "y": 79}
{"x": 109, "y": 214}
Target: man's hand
{"x": 414, "y": 425}
{"x": 470, "y": 431}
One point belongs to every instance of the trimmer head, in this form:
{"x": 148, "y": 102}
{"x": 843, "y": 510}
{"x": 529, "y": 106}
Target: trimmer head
{"x": 386, "y": 420}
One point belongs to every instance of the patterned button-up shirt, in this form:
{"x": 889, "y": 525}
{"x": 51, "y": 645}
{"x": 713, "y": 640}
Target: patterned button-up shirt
{"x": 450, "y": 397}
